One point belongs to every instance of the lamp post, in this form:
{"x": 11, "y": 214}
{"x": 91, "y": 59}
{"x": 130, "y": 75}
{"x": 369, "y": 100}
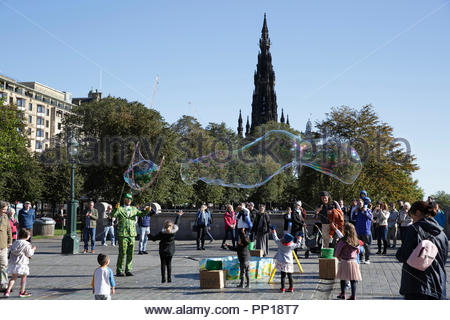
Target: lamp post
{"x": 70, "y": 242}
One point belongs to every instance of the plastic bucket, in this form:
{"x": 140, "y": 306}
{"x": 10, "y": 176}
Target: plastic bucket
{"x": 327, "y": 253}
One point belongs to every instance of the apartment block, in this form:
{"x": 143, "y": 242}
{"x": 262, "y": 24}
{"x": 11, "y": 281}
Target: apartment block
{"x": 44, "y": 109}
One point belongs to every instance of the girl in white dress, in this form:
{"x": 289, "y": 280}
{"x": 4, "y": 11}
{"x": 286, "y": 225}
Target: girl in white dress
{"x": 21, "y": 252}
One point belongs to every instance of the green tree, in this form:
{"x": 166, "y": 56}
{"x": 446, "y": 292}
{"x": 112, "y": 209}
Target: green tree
{"x": 442, "y": 198}
{"x": 387, "y": 167}
{"x": 19, "y": 169}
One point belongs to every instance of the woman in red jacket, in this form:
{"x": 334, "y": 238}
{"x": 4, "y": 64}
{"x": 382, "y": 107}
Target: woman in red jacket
{"x": 230, "y": 224}
{"x": 13, "y": 222}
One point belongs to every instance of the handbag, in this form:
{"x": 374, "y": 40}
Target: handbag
{"x": 424, "y": 254}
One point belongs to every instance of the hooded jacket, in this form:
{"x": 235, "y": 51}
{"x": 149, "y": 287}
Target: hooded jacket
{"x": 284, "y": 253}
{"x": 363, "y": 221}
{"x": 167, "y": 239}
{"x": 366, "y": 199}
{"x": 432, "y": 281}
{"x": 21, "y": 253}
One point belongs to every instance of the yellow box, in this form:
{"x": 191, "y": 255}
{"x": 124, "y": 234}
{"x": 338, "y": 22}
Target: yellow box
{"x": 212, "y": 279}
{"x": 328, "y": 268}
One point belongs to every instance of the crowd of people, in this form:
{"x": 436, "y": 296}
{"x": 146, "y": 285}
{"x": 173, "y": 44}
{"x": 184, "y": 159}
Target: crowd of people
{"x": 245, "y": 226}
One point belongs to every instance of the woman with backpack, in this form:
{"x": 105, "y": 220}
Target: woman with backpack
{"x": 429, "y": 284}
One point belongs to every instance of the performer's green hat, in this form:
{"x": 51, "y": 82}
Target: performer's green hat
{"x": 129, "y": 196}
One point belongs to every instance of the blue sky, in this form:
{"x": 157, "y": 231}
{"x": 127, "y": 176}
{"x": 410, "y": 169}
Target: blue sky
{"x": 391, "y": 54}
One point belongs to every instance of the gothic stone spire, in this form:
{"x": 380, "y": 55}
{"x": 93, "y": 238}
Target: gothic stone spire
{"x": 264, "y": 103}
{"x": 240, "y": 129}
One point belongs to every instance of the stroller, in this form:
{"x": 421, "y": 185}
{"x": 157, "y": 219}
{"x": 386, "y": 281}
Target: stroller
{"x": 313, "y": 240}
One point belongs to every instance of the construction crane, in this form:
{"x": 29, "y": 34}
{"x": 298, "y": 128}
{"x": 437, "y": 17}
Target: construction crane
{"x": 154, "y": 91}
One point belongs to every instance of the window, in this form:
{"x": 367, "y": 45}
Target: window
{"x": 38, "y": 145}
{"x": 40, "y": 108}
{"x": 40, "y": 121}
{"x": 59, "y": 126}
{"x": 48, "y": 112}
{"x": 46, "y": 123}
{"x": 46, "y": 135}
{"x": 20, "y": 102}
{"x": 30, "y": 119}
{"x": 11, "y": 100}
{"x": 30, "y": 107}
{"x": 39, "y": 133}
{"x": 29, "y": 131}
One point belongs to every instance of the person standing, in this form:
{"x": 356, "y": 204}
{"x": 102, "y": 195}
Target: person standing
{"x": 440, "y": 215}
{"x": 229, "y": 220}
{"x": 90, "y": 224}
{"x": 243, "y": 219}
{"x": 353, "y": 208}
{"x": 261, "y": 230}
{"x": 103, "y": 284}
{"x": 126, "y": 220}
{"x": 404, "y": 220}
{"x": 429, "y": 284}
{"x": 322, "y": 214}
{"x": 202, "y": 222}
{"x": 253, "y": 211}
{"x": 5, "y": 243}
{"x": 392, "y": 226}
{"x": 166, "y": 239}
{"x": 27, "y": 215}
{"x": 363, "y": 224}
{"x": 144, "y": 231}
{"x": 108, "y": 227}
{"x": 13, "y": 222}
{"x": 381, "y": 216}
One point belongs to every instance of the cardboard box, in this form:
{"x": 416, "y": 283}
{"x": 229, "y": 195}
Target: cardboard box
{"x": 214, "y": 279}
{"x": 256, "y": 253}
{"x": 328, "y": 268}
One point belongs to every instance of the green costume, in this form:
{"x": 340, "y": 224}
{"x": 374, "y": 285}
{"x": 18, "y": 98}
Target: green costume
{"x": 126, "y": 230}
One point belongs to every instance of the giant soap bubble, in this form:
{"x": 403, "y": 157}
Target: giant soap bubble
{"x": 141, "y": 173}
{"x": 259, "y": 161}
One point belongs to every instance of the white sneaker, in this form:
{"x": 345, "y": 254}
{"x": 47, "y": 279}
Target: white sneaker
{"x": 105, "y": 245}
{"x": 367, "y": 262}
{"x": 113, "y": 245}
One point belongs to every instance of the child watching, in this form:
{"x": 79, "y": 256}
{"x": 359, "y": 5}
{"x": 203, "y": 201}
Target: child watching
{"x": 284, "y": 258}
{"x": 244, "y": 258}
{"x": 21, "y": 252}
{"x": 167, "y": 246}
{"x": 347, "y": 250}
{"x": 103, "y": 284}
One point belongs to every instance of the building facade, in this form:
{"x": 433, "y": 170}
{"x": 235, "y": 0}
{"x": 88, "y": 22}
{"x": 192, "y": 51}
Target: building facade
{"x": 43, "y": 109}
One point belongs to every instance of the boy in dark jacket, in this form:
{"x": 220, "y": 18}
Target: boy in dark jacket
{"x": 167, "y": 246}
{"x": 244, "y": 258}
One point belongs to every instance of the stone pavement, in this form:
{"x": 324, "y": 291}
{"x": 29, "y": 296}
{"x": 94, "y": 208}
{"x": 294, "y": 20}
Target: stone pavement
{"x": 54, "y": 276}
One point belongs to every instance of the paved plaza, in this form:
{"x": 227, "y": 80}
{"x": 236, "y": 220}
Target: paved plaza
{"x": 55, "y": 276}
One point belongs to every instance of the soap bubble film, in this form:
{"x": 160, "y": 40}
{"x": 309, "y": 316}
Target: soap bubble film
{"x": 141, "y": 173}
{"x": 257, "y": 162}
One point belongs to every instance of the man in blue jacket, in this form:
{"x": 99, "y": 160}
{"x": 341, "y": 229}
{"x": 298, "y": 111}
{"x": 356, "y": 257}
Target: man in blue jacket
{"x": 144, "y": 231}
{"x": 363, "y": 223}
{"x": 27, "y": 215}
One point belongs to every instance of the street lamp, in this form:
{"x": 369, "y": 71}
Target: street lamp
{"x": 70, "y": 242}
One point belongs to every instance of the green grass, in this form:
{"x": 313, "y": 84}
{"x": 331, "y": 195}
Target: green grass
{"x": 58, "y": 233}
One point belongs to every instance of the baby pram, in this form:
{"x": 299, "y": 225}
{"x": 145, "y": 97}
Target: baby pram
{"x": 313, "y": 240}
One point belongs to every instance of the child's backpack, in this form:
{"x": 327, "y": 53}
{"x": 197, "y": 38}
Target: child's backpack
{"x": 424, "y": 254}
